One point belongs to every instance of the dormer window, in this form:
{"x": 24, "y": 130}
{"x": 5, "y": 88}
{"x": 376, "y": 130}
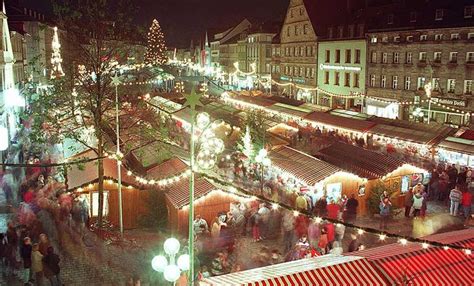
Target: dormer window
{"x": 468, "y": 11}
{"x": 439, "y": 14}
{"x": 390, "y": 19}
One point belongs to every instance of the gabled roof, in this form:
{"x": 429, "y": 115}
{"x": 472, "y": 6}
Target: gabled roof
{"x": 302, "y": 166}
{"x": 178, "y": 193}
{"x": 366, "y": 164}
{"x": 168, "y": 168}
{"x": 340, "y": 122}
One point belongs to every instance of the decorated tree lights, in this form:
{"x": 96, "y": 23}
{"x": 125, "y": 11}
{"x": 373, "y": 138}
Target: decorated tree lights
{"x": 246, "y": 147}
{"x": 156, "y": 48}
{"x": 56, "y": 59}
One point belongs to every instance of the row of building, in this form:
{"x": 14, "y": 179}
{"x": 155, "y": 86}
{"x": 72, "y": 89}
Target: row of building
{"x": 374, "y": 56}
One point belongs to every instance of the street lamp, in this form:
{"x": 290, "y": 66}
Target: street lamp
{"x": 264, "y": 161}
{"x": 418, "y": 114}
{"x": 208, "y": 146}
{"x": 171, "y": 269}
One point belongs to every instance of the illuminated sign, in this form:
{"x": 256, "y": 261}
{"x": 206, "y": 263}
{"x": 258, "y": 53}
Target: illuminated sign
{"x": 339, "y": 68}
{"x": 450, "y": 101}
{"x": 297, "y": 80}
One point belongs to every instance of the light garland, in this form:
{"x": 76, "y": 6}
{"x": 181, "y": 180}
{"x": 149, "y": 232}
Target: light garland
{"x": 56, "y": 60}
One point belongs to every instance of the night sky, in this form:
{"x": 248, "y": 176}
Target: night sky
{"x": 182, "y": 20}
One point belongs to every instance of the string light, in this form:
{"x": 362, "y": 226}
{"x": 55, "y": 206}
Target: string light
{"x": 382, "y": 237}
{"x": 425, "y": 245}
{"x": 403, "y": 241}
{"x": 360, "y": 231}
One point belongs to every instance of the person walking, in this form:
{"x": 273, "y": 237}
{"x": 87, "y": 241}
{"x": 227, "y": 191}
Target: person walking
{"x": 51, "y": 267}
{"x": 466, "y": 202}
{"x": 351, "y": 209}
{"x": 417, "y": 204}
{"x": 25, "y": 253}
{"x": 384, "y": 206}
{"x": 288, "y": 227}
{"x": 455, "y": 197}
{"x": 408, "y": 202}
{"x": 37, "y": 265}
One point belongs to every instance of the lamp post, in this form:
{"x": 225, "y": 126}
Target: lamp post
{"x": 264, "y": 161}
{"x": 208, "y": 147}
{"x": 116, "y": 82}
{"x": 173, "y": 267}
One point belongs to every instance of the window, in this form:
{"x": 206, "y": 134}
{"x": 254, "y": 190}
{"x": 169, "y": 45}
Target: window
{"x": 373, "y": 57}
{"x": 396, "y": 39}
{"x": 468, "y": 86}
{"x": 455, "y": 36}
{"x": 286, "y": 70}
{"x": 297, "y": 51}
{"x": 308, "y": 51}
{"x": 95, "y": 203}
{"x": 421, "y": 83}
{"x": 384, "y": 58}
{"x": 296, "y": 30}
{"x": 468, "y": 11}
{"x": 305, "y": 29}
{"x": 302, "y": 49}
{"x": 287, "y": 51}
{"x": 336, "y": 78}
{"x": 308, "y": 72}
{"x": 451, "y": 85}
{"x": 412, "y": 17}
{"x": 384, "y": 39}
{"x": 373, "y": 40}
{"x": 347, "y": 79}
{"x": 301, "y": 71}
{"x": 357, "y": 56}
{"x": 372, "y": 80}
{"x": 409, "y": 38}
{"x": 396, "y": 57}
{"x": 356, "y": 80}
{"x": 288, "y": 31}
{"x": 338, "y": 56}
{"x": 438, "y": 37}
{"x": 326, "y": 77}
{"x": 435, "y": 84}
{"x": 313, "y": 71}
{"x": 383, "y": 81}
{"x": 453, "y": 57}
{"x": 422, "y": 57}
{"x": 407, "y": 82}
{"x": 348, "y": 56}
{"x": 409, "y": 58}
{"x": 394, "y": 82}
{"x": 437, "y": 57}
{"x": 470, "y": 57}
{"x": 439, "y": 14}
{"x": 328, "y": 56}
{"x": 291, "y": 13}
{"x": 423, "y": 37}
{"x": 292, "y": 51}
{"x": 301, "y": 11}
{"x": 470, "y": 36}
{"x": 390, "y": 19}
{"x": 313, "y": 50}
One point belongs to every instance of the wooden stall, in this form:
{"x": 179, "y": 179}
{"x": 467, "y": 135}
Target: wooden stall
{"x": 209, "y": 201}
{"x": 83, "y": 180}
{"x": 374, "y": 167}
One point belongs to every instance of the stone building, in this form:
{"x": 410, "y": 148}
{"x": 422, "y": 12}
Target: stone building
{"x": 415, "y": 43}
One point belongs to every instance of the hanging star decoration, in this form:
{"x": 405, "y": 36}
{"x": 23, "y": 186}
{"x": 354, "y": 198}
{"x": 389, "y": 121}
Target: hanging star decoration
{"x": 116, "y": 80}
{"x": 193, "y": 100}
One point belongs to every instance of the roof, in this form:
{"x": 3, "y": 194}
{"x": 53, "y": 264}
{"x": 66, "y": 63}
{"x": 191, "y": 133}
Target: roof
{"x": 168, "y": 168}
{"x": 467, "y": 134}
{"x": 367, "y": 164}
{"x": 302, "y": 166}
{"x": 458, "y": 145}
{"x": 322, "y": 270}
{"x": 178, "y": 193}
{"x": 83, "y": 174}
{"x": 427, "y": 136}
{"x": 340, "y": 122}
{"x": 257, "y": 100}
{"x": 322, "y": 13}
{"x": 432, "y": 266}
{"x": 287, "y": 100}
{"x": 289, "y": 109}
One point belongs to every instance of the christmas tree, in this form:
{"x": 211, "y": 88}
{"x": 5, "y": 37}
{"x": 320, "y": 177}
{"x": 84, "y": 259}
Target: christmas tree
{"x": 56, "y": 60}
{"x": 246, "y": 147}
{"x": 156, "y": 49}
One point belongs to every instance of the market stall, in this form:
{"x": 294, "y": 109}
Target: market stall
{"x": 456, "y": 150}
{"x": 322, "y": 270}
{"x": 373, "y": 166}
{"x": 83, "y": 181}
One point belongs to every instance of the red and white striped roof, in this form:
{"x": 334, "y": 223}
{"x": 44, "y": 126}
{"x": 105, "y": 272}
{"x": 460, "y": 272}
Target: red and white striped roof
{"x": 432, "y": 266}
{"x": 322, "y": 270}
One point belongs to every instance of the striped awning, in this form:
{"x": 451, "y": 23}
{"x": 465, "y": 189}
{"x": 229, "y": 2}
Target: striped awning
{"x": 302, "y": 166}
{"x": 322, "y": 270}
{"x": 432, "y": 266}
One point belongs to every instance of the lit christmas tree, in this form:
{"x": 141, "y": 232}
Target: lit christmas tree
{"x": 156, "y": 49}
{"x": 56, "y": 60}
{"x": 246, "y": 146}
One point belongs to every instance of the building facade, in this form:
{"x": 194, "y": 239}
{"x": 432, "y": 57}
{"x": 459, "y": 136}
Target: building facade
{"x": 417, "y": 50}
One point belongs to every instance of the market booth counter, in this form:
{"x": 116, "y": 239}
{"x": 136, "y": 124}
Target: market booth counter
{"x": 209, "y": 202}
{"x": 305, "y": 175}
{"x": 373, "y": 166}
{"x": 83, "y": 181}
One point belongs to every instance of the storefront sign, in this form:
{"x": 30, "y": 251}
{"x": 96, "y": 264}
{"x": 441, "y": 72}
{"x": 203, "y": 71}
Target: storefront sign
{"x": 297, "y": 80}
{"x": 450, "y": 101}
{"x": 342, "y": 68}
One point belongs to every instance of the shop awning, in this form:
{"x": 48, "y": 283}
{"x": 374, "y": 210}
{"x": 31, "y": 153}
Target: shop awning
{"x": 365, "y": 163}
{"x": 164, "y": 104}
{"x": 432, "y": 266}
{"x": 322, "y": 270}
{"x": 340, "y": 122}
{"x": 287, "y": 100}
{"x": 290, "y": 110}
{"x": 178, "y": 193}
{"x": 257, "y": 100}
{"x": 302, "y": 166}
{"x": 458, "y": 145}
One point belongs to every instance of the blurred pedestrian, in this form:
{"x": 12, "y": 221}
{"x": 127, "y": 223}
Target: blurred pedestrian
{"x": 25, "y": 253}
{"x": 408, "y": 202}
{"x": 51, "y": 267}
{"x": 385, "y": 206}
{"x": 455, "y": 197}
{"x": 351, "y": 209}
{"x": 37, "y": 265}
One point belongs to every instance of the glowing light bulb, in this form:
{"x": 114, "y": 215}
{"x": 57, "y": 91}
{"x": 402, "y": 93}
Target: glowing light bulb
{"x": 382, "y": 237}
{"x": 360, "y": 231}
{"x": 425, "y": 245}
{"x": 403, "y": 241}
